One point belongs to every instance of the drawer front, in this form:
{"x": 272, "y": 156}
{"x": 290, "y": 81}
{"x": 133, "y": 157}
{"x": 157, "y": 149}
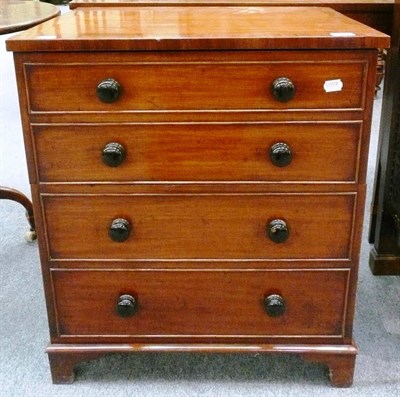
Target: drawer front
{"x": 174, "y": 85}
{"x": 198, "y": 152}
{"x": 265, "y": 226}
{"x": 200, "y": 303}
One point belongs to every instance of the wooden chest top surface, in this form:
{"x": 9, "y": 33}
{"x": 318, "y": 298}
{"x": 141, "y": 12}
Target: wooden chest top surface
{"x": 198, "y": 28}
{"x": 327, "y": 3}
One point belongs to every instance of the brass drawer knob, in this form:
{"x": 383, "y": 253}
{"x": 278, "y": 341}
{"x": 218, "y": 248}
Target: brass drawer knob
{"x": 126, "y": 306}
{"x": 108, "y": 90}
{"x": 119, "y": 230}
{"x": 283, "y": 89}
{"x": 274, "y": 305}
{"x": 280, "y": 154}
{"x": 113, "y": 154}
{"x": 278, "y": 231}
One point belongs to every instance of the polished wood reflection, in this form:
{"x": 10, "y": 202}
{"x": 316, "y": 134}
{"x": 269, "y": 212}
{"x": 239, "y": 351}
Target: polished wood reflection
{"x": 374, "y": 13}
{"x": 187, "y": 28}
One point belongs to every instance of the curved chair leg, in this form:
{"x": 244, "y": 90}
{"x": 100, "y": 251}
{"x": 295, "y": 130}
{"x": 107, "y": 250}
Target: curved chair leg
{"x": 15, "y": 195}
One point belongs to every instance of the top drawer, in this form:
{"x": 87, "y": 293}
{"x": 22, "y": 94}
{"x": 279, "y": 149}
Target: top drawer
{"x": 197, "y": 82}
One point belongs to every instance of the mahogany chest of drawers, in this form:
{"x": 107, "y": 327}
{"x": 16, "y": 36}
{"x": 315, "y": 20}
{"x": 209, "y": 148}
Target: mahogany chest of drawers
{"x": 198, "y": 178}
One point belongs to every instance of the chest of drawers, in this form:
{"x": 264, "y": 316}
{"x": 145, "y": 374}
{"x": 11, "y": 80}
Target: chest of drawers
{"x": 198, "y": 186}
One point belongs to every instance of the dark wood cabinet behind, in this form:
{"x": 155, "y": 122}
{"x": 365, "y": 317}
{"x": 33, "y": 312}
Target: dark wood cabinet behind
{"x": 385, "y": 222}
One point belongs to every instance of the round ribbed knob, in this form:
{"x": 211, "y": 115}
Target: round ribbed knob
{"x": 283, "y": 89}
{"x": 280, "y": 154}
{"x": 274, "y": 305}
{"x": 126, "y": 305}
{"x": 119, "y": 230}
{"x": 278, "y": 231}
{"x": 113, "y": 154}
{"x": 108, "y": 90}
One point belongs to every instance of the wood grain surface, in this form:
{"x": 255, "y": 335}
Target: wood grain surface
{"x": 201, "y": 28}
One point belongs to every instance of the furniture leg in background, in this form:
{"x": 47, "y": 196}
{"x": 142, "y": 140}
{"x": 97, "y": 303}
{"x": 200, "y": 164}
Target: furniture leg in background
{"x": 15, "y": 195}
{"x": 16, "y": 16}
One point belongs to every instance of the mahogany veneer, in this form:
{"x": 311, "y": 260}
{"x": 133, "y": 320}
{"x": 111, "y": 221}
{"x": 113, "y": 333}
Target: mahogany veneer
{"x": 375, "y": 13}
{"x": 198, "y": 178}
